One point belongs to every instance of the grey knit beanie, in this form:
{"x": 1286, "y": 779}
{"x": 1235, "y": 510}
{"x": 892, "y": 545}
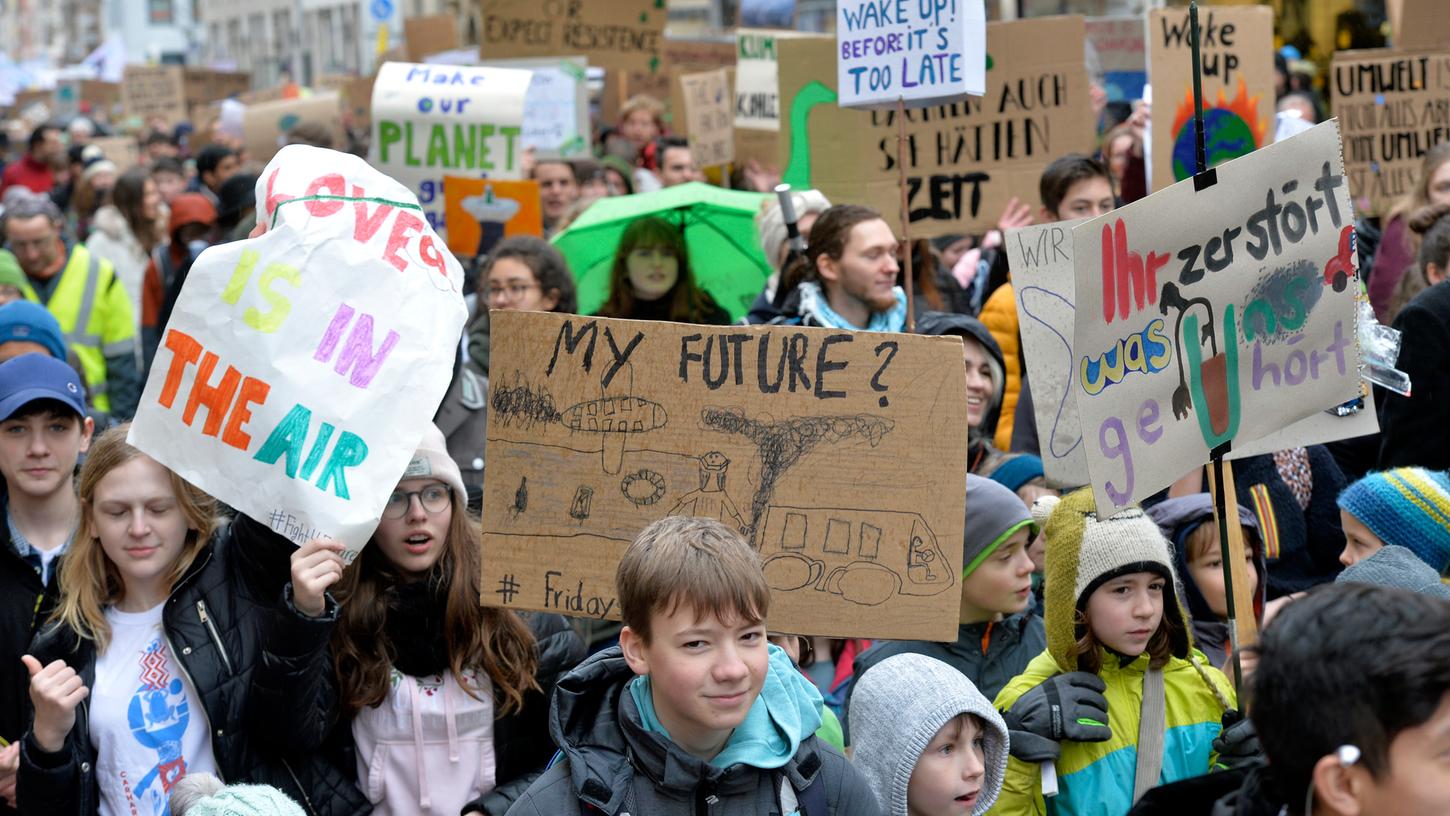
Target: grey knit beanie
{"x": 1396, "y": 566}
{"x": 898, "y": 705}
{"x": 994, "y": 513}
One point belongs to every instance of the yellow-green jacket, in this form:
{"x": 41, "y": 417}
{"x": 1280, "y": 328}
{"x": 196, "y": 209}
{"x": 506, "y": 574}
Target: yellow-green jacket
{"x": 98, "y": 323}
{"x": 1096, "y": 778}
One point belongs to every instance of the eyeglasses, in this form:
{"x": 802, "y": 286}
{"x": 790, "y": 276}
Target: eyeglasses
{"x": 510, "y": 292}
{"x": 434, "y": 498}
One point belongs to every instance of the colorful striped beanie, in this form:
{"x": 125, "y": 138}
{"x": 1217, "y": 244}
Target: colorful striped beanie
{"x": 1407, "y": 506}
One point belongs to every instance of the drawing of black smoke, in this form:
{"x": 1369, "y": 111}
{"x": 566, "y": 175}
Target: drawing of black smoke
{"x": 780, "y": 444}
{"x": 521, "y": 403}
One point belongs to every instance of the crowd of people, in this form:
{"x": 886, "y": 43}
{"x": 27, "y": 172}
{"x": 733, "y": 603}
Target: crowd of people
{"x": 161, "y": 654}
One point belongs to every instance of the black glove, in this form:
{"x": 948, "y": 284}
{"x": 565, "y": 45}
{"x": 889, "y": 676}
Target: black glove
{"x": 1237, "y": 745}
{"x": 1029, "y": 747}
{"x": 1065, "y": 706}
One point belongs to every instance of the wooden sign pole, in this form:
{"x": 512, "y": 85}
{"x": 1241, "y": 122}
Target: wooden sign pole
{"x": 905, "y": 213}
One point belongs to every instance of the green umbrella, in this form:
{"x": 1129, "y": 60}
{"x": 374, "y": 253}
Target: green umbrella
{"x": 725, "y": 254}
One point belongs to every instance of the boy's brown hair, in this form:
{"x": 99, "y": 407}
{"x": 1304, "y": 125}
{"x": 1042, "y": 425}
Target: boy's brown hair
{"x": 697, "y": 562}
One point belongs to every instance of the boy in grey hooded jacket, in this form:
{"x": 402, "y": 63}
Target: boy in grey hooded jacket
{"x": 906, "y": 707}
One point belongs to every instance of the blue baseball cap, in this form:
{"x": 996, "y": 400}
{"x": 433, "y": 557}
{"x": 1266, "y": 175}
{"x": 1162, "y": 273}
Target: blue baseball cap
{"x": 32, "y": 377}
{"x": 33, "y": 323}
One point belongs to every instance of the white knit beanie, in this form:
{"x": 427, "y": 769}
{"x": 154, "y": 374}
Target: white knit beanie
{"x": 770, "y": 222}
{"x": 431, "y": 461}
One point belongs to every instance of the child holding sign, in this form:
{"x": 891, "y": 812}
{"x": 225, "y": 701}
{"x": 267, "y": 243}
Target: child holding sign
{"x": 163, "y": 621}
{"x": 447, "y": 701}
{"x": 1114, "y": 627}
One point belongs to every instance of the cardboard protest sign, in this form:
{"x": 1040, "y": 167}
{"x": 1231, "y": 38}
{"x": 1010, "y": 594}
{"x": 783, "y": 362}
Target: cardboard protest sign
{"x": 435, "y": 120}
{"x": 757, "y": 95}
{"x": 1121, "y": 48}
{"x": 840, "y": 456}
{"x": 482, "y": 212}
{"x": 430, "y": 35}
{"x": 965, "y": 160}
{"x": 154, "y": 90}
{"x": 74, "y": 96}
{"x": 556, "y": 108}
{"x": 1418, "y": 24}
{"x": 123, "y": 151}
{"x": 1394, "y": 106}
{"x": 265, "y": 126}
{"x": 300, "y": 368}
{"x": 1238, "y": 86}
{"x": 621, "y": 35}
{"x": 660, "y": 79}
{"x": 203, "y": 86}
{"x": 1043, "y": 281}
{"x": 924, "y": 53}
{"x": 1212, "y": 317}
{"x": 708, "y": 108}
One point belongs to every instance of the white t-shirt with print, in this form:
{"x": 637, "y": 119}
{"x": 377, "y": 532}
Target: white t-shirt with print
{"x": 148, "y": 726}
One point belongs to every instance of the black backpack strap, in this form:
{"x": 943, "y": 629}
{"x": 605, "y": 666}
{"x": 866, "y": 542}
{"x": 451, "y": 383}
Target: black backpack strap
{"x": 812, "y": 800}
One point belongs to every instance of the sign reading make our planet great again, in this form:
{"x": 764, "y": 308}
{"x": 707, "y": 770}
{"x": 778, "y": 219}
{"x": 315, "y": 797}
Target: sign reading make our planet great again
{"x": 1207, "y": 319}
{"x": 920, "y": 51}
{"x": 435, "y": 120}
{"x": 300, "y": 368}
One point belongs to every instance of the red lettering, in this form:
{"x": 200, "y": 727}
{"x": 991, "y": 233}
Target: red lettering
{"x": 405, "y": 226}
{"x": 1127, "y": 283}
{"x": 215, "y": 398}
{"x": 366, "y": 226}
{"x": 333, "y": 183}
{"x": 184, "y": 351}
{"x": 253, "y": 390}
{"x": 273, "y": 199}
{"x": 432, "y": 256}
{"x": 1108, "y": 277}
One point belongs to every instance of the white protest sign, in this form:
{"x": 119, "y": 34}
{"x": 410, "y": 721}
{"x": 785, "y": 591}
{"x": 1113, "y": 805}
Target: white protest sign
{"x": 1042, "y": 278}
{"x": 300, "y": 368}
{"x": 921, "y": 51}
{"x": 1040, "y": 258}
{"x": 435, "y": 120}
{"x": 1209, "y": 317}
{"x": 757, "y": 81}
{"x": 556, "y": 108}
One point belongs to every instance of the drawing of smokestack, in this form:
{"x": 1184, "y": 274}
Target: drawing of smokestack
{"x": 492, "y": 214}
{"x": 711, "y": 500}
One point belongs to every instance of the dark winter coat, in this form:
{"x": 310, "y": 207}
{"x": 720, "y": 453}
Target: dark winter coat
{"x": 463, "y": 414}
{"x": 24, "y": 605}
{"x": 221, "y": 622}
{"x": 1301, "y": 545}
{"x": 614, "y": 765}
{"x": 989, "y": 654}
{"x": 1414, "y": 430}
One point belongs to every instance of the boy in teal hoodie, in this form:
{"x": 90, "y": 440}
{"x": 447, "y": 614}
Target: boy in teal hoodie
{"x": 694, "y": 711}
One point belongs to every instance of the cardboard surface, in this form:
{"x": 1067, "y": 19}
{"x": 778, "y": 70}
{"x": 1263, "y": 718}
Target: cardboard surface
{"x": 1394, "y": 106}
{"x": 1121, "y": 48}
{"x": 708, "y": 109}
{"x": 203, "y": 86}
{"x": 556, "y": 108}
{"x": 122, "y": 150}
{"x": 828, "y": 450}
{"x": 265, "y": 126}
{"x": 154, "y": 91}
{"x": 1418, "y": 24}
{"x": 502, "y": 209}
{"x": 924, "y": 53}
{"x": 435, "y": 120}
{"x": 1204, "y": 318}
{"x": 624, "y": 35}
{"x": 429, "y": 35}
{"x": 276, "y": 384}
{"x": 1238, "y": 86}
{"x": 964, "y": 161}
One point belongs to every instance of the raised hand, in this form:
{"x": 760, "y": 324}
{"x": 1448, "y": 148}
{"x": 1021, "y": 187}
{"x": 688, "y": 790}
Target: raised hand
{"x": 316, "y": 566}
{"x": 55, "y": 691}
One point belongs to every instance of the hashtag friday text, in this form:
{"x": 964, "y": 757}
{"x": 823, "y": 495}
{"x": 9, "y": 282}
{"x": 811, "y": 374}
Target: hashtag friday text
{"x": 573, "y": 600}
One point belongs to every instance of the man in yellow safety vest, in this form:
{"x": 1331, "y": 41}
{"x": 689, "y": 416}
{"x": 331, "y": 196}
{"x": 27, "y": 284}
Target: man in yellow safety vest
{"x": 82, "y": 291}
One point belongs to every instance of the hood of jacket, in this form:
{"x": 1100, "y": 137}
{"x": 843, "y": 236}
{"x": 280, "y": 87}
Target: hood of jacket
{"x": 110, "y": 221}
{"x": 190, "y": 208}
{"x": 598, "y": 725}
{"x": 1396, "y": 566}
{"x": 897, "y": 708}
{"x": 1178, "y": 518}
{"x": 787, "y": 711}
{"x": 943, "y": 323}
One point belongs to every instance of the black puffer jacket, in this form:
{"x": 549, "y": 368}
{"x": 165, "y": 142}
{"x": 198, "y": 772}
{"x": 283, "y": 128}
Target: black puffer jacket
{"x": 24, "y": 605}
{"x": 221, "y": 621}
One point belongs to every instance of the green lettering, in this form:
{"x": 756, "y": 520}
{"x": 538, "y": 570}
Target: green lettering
{"x": 287, "y": 438}
{"x": 388, "y": 133}
{"x": 510, "y": 133}
{"x": 410, "y": 159}
{"x": 464, "y": 137}
{"x": 438, "y": 146}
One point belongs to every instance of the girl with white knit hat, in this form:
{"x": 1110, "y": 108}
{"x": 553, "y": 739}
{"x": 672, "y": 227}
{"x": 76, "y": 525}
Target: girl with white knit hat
{"x": 1120, "y": 701}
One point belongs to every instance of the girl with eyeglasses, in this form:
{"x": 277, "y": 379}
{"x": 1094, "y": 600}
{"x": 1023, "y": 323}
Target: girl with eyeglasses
{"x": 651, "y": 278}
{"x": 445, "y": 701}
